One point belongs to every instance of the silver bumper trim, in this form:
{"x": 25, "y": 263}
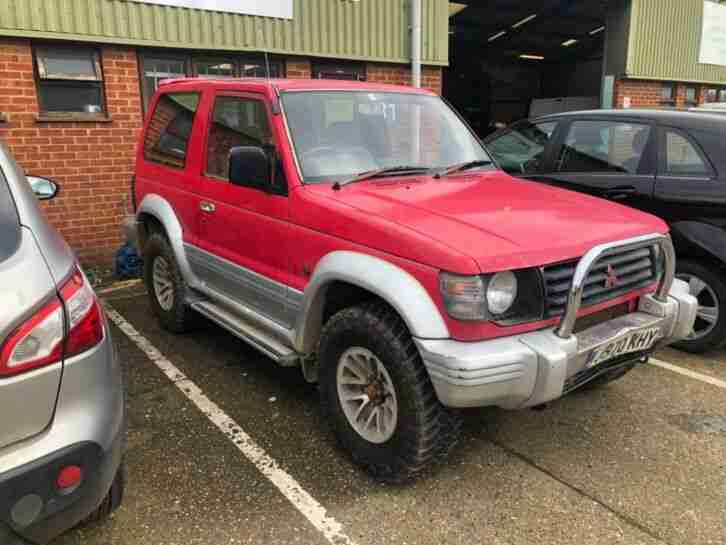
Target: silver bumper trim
{"x": 532, "y": 368}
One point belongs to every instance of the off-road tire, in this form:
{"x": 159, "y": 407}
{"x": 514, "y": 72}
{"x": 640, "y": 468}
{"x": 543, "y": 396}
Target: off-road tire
{"x": 714, "y": 277}
{"x": 425, "y": 431}
{"x": 112, "y": 501}
{"x": 180, "y": 318}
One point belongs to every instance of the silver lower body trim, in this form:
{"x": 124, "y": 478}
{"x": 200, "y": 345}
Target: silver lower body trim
{"x": 533, "y": 368}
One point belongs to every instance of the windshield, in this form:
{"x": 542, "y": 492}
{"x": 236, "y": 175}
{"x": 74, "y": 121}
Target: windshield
{"x": 339, "y": 134}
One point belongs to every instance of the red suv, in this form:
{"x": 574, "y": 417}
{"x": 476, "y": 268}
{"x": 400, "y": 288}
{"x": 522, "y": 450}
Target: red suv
{"x": 360, "y": 231}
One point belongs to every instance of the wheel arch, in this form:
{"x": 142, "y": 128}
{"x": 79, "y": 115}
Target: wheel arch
{"x": 366, "y": 274}
{"x": 155, "y": 212}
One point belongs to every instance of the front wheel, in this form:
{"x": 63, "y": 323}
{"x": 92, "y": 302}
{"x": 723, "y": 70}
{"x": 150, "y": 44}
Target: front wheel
{"x": 707, "y": 286}
{"x": 378, "y": 396}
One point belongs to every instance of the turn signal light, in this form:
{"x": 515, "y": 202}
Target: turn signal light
{"x": 69, "y": 478}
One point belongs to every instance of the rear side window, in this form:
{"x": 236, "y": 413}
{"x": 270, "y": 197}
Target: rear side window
{"x": 170, "y": 129}
{"x": 9, "y": 223}
{"x": 682, "y": 157}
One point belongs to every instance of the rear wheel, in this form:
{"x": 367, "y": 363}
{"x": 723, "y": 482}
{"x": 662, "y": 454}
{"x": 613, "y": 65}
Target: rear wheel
{"x": 377, "y": 394}
{"x": 166, "y": 287}
{"x": 707, "y": 286}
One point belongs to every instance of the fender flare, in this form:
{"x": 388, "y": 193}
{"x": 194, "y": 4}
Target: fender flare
{"x": 159, "y": 208}
{"x": 703, "y": 236}
{"x": 391, "y": 283}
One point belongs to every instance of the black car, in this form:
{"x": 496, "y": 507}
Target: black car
{"x": 669, "y": 163}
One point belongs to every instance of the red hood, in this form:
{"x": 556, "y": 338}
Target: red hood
{"x": 499, "y": 221}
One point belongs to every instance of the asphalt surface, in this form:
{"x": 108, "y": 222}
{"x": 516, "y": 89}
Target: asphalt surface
{"x": 641, "y": 461}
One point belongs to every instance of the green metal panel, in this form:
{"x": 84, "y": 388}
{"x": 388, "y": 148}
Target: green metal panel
{"x": 665, "y": 41}
{"x": 374, "y": 30}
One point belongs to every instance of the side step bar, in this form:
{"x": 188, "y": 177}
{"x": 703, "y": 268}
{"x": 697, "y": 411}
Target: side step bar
{"x": 265, "y": 343}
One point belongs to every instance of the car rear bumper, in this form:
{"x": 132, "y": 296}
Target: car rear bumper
{"x": 533, "y": 368}
{"x": 88, "y": 431}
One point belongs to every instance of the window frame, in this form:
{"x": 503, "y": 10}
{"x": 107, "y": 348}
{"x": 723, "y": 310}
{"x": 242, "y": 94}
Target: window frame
{"x": 44, "y": 81}
{"x": 674, "y": 93}
{"x": 279, "y": 187}
{"x": 691, "y": 101}
{"x": 155, "y": 105}
{"x": 663, "y": 172}
{"x": 648, "y": 162}
{"x": 321, "y": 67}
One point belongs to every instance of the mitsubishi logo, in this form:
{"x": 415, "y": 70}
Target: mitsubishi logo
{"x": 611, "y": 279}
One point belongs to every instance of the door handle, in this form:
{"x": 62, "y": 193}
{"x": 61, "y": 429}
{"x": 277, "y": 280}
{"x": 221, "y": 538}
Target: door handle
{"x": 620, "y": 192}
{"x": 207, "y": 207}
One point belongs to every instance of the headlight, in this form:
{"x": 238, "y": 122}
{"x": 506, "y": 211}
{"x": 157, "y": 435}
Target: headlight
{"x": 508, "y": 298}
{"x": 464, "y": 296}
{"x": 501, "y": 292}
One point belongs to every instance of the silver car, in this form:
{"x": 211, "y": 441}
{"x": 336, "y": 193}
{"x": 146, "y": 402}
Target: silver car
{"x": 62, "y": 416}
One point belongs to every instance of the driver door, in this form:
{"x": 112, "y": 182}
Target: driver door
{"x": 243, "y": 230}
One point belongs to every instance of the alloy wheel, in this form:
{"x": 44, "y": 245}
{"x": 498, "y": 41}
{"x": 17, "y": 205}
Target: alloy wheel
{"x": 708, "y": 306}
{"x": 163, "y": 285}
{"x": 367, "y": 395}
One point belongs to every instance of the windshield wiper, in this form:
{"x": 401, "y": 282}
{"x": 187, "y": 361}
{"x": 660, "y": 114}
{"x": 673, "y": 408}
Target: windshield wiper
{"x": 461, "y": 166}
{"x": 378, "y": 173}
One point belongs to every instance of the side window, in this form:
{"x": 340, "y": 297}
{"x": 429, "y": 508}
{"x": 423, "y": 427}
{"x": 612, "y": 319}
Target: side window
{"x": 681, "y": 157}
{"x": 522, "y": 149}
{"x": 235, "y": 122}
{"x": 604, "y": 146}
{"x": 170, "y": 128}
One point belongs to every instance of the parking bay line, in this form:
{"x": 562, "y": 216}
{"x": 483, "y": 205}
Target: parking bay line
{"x": 688, "y": 373}
{"x": 313, "y": 511}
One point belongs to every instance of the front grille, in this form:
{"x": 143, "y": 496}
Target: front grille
{"x": 634, "y": 269}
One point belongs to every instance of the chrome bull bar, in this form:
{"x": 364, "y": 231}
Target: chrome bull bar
{"x": 590, "y": 259}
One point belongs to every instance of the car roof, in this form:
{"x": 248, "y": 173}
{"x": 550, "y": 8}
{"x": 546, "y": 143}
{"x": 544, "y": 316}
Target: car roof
{"x": 264, "y": 85}
{"x": 678, "y": 118}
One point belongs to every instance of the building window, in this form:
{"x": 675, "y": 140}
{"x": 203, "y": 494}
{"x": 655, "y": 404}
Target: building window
{"x": 70, "y": 80}
{"x": 711, "y": 95}
{"x": 722, "y": 95}
{"x": 668, "y": 94}
{"x": 691, "y": 96}
{"x": 170, "y": 129}
{"x": 342, "y": 71}
{"x": 158, "y": 67}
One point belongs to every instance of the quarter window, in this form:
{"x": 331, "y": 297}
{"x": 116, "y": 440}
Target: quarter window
{"x": 522, "y": 149}
{"x": 170, "y": 128}
{"x": 604, "y": 146}
{"x": 236, "y": 122}
{"x": 682, "y": 157}
{"x": 70, "y": 80}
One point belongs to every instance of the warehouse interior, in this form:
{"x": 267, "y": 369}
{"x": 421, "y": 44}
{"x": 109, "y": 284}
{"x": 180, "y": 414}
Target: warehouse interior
{"x": 509, "y": 60}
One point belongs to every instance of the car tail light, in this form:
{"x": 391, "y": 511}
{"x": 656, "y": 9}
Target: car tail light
{"x": 66, "y": 326}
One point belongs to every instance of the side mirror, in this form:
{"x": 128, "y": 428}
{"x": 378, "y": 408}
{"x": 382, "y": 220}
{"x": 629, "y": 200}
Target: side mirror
{"x": 43, "y": 188}
{"x": 250, "y": 166}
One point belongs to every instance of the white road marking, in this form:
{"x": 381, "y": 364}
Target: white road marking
{"x": 331, "y": 529}
{"x": 119, "y": 286}
{"x": 688, "y": 373}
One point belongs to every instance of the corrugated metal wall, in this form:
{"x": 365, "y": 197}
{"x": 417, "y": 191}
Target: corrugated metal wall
{"x": 366, "y": 30}
{"x": 665, "y": 42}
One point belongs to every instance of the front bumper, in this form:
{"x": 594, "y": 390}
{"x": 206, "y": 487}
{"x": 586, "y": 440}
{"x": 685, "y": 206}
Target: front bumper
{"x": 88, "y": 430}
{"x": 533, "y": 368}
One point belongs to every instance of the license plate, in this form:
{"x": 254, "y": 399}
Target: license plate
{"x": 637, "y": 341}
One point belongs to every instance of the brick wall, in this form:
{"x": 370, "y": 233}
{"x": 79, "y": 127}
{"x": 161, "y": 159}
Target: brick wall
{"x": 401, "y": 75}
{"x": 646, "y": 94}
{"x": 92, "y": 162}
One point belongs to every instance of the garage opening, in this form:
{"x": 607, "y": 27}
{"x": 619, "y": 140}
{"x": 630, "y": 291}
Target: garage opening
{"x": 512, "y": 60}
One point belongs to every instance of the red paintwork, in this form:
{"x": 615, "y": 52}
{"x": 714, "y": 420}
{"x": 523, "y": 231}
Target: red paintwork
{"x": 470, "y": 223}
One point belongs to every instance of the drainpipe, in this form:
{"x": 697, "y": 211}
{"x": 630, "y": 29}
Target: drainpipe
{"x": 416, "y": 43}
